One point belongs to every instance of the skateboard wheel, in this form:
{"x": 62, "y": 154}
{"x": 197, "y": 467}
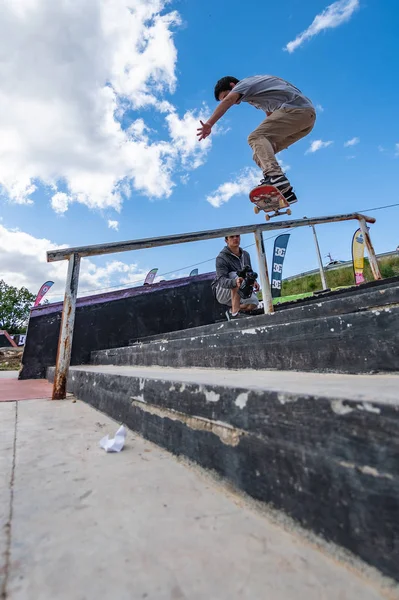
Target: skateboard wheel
{"x": 289, "y": 212}
{"x": 267, "y": 217}
{"x": 256, "y": 210}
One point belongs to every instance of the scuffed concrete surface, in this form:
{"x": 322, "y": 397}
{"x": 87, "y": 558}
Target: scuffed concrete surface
{"x": 363, "y": 342}
{"x": 7, "y": 434}
{"x": 373, "y": 388}
{"x": 88, "y": 525}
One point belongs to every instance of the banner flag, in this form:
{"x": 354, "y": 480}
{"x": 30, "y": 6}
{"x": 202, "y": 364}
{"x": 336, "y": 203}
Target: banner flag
{"x": 358, "y": 256}
{"x": 194, "y": 272}
{"x": 280, "y": 249}
{"x": 43, "y": 290}
{"x": 150, "y": 277}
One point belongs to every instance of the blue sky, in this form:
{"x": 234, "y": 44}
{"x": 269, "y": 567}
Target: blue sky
{"x": 58, "y": 136}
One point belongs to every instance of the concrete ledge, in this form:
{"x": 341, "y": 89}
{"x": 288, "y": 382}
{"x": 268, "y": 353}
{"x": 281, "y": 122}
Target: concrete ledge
{"x": 360, "y": 342}
{"x": 330, "y": 461}
{"x": 340, "y": 303}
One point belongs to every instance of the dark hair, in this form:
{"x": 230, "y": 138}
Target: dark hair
{"x": 223, "y": 85}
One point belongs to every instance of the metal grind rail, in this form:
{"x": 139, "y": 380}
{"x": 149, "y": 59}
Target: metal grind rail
{"x": 74, "y": 255}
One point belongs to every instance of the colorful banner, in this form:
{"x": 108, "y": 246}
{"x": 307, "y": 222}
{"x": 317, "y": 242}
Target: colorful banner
{"x": 19, "y": 339}
{"x": 43, "y": 290}
{"x": 150, "y": 277}
{"x": 194, "y": 272}
{"x": 358, "y": 256}
{"x": 280, "y": 249}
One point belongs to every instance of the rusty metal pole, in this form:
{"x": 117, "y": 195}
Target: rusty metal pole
{"x": 370, "y": 250}
{"x": 66, "y": 329}
{"x": 263, "y": 273}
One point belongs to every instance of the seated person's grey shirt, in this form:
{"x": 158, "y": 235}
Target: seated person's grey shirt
{"x": 270, "y": 93}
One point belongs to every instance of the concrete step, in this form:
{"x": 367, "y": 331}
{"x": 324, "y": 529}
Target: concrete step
{"x": 383, "y": 293}
{"x": 358, "y": 342}
{"x": 322, "y": 448}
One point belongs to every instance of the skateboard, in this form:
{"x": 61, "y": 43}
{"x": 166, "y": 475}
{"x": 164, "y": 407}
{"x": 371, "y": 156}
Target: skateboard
{"x": 270, "y": 200}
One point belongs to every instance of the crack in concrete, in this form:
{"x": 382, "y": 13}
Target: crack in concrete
{"x": 8, "y": 525}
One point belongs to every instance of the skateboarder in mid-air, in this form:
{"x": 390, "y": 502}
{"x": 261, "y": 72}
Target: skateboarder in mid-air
{"x": 290, "y": 116}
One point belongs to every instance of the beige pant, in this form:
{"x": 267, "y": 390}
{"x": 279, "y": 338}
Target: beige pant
{"x": 281, "y": 129}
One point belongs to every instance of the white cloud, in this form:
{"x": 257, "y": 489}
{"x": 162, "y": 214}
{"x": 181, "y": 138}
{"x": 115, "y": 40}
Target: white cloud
{"x": 319, "y": 108}
{"x": 396, "y": 149}
{"x": 381, "y": 149}
{"x": 23, "y": 263}
{"x": 334, "y": 15}
{"x": 184, "y": 179}
{"x": 60, "y": 202}
{"x": 70, "y": 72}
{"x": 184, "y": 139}
{"x": 318, "y": 145}
{"x": 241, "y": 185}
{"x": 113, "y": 224}
{"x": 351, "y": 157}
{"x": 352, "y": 142}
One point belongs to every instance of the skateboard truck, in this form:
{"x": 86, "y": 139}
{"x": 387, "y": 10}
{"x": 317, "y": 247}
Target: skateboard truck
{"x": 276, "y": 212}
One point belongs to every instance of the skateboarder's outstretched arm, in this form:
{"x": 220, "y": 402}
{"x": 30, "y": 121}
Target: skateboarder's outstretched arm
{"x": 221, "y": 109}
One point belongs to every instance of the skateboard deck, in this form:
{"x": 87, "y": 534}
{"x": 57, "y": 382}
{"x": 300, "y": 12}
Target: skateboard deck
{"x": 270, "y": 200}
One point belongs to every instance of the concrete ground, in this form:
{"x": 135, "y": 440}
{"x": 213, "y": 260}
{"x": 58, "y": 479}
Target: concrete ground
{"x": 80, "y": 524}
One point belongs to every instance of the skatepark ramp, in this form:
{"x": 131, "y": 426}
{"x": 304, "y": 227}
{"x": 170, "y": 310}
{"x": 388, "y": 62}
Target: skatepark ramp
{"x": 298, "y": 409}
{"x": 74, "y": 255}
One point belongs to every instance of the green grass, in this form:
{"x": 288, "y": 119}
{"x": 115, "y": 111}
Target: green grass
{"x": 342, "y": 277}
{"x": 283, "y": 299}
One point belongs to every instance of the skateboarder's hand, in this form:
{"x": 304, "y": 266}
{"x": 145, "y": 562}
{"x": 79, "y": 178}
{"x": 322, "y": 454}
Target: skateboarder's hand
{"x": 239, "y": 281}
{"x": 203, "y": 131}
{"x": 256, "y": 286}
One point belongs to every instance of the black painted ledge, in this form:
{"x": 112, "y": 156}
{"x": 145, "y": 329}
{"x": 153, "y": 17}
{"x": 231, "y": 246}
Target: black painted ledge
{"x": 361, "y": 342}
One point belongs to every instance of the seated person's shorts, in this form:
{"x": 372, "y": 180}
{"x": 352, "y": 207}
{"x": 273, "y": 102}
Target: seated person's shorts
{"x": 223, "y": 295}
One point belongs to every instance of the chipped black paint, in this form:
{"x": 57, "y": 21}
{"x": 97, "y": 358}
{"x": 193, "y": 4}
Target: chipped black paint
{"x": 353, "y": 343}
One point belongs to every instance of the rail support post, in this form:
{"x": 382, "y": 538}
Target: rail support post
{"x": 263, "y": 273}
{"x": 321, "y": 268}
{"x": 66, "y": 329}
{"x": 370, "y": 250}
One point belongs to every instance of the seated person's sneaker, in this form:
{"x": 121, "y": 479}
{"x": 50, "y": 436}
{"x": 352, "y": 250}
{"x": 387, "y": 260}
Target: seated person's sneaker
{"x": 232, "y": 316}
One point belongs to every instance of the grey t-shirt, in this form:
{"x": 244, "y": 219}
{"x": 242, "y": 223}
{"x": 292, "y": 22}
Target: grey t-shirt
{"x": 270, "y": 93}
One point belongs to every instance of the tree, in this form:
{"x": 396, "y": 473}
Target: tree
{"x": 15, "y": 305}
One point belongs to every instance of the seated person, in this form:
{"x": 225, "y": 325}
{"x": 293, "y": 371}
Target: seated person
{"x": 229, "y": 262}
